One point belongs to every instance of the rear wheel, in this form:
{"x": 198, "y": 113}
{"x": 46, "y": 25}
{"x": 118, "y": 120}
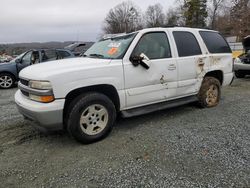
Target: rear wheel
{"x": 210, "y": 92}
{"x": 6, "y": 81}
{"x": 239, "y": 74}
{"x": 91, "y": 117}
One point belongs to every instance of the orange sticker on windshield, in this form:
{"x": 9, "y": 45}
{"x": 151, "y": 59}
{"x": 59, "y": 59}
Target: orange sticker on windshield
{"x": 112, "y": 51}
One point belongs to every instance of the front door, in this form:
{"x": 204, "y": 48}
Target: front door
{"x": 25, "y": 61}
{"x": 158, "y": 83}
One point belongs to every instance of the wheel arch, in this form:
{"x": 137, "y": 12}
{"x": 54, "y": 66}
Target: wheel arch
{"x": 7, "y": 72}
{"x": 106, "y": 89}
{"x": 218, "y": 74}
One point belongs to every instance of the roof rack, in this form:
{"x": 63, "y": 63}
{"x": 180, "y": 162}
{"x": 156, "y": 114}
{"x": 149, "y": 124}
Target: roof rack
{"x": 167, "y": 26}
{"x": 109, "y": 36}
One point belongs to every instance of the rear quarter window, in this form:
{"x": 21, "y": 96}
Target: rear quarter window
{"x": 186, "y": 43}
{"x": 215, "y": 42}
{"x": 63, "y": 54}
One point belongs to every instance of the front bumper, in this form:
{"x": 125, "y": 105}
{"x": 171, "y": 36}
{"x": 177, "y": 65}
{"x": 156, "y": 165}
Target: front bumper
{"x": 241, "y": 66}
{"x": 47, "y": 116}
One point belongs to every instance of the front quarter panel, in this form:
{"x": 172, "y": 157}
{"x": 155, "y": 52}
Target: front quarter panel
{"x": 111, "y": 74}
{"x": 9, "y": 68}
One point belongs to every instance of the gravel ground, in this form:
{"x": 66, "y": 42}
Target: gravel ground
{"x": 180, "y": 147}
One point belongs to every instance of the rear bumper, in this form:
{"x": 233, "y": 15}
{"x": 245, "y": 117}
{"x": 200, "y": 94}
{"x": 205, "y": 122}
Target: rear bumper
{"x": 47, "y": 116}
{"x": 228, "y": 79}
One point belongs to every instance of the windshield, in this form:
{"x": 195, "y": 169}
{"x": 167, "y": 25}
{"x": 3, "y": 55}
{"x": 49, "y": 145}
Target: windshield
{"x": 111, "y": 48}
{"x": 18, "y": 57}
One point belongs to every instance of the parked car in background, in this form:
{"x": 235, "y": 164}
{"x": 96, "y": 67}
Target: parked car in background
{"x": 131, "y": 74}
{"x": 9, "y": 71}
{"x": 242, "y": 63}
{"x": 74, "y": 48}
{"x": 5, "y": 58}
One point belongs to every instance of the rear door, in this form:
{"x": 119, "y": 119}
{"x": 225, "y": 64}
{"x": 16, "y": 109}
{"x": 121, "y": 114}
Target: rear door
{"x": 189, "y": 55}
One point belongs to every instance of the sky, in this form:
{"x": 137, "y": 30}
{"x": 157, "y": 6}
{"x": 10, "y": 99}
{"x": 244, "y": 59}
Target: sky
{"x": 58, "y": 20}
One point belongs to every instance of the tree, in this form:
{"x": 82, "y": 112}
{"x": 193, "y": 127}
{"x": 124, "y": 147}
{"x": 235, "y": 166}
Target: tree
{"x": 240, "y": 14}
{"x": 195, "y": 13}
{"x": 213, "y": 11}
{"x": 125, "y": 17}
{"x": 174, "y": 16}
{"x": 155, "y": 16}
{"x": 223, "y": 23}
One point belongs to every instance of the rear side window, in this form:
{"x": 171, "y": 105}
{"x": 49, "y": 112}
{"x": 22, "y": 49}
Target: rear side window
{"x": 186, "y": 43}
{"x": 49, "y": 55}
{"x": 215, "y": 42}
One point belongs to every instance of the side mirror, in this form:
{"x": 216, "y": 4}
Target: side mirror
{"x": 142, "y": 60}
{"x": 136, "y": 60}
{"x": 18, "y": 61}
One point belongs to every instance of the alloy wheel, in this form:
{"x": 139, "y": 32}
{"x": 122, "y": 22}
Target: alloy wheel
{"x": 6, "y": 81}
{"x": 94, "y": 119}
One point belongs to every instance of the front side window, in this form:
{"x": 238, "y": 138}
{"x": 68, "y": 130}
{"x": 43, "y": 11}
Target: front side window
{"x": 186, "y": 43}
{"x": 111, "y": 48}
{"x": 215, "y": 42}
{"x": 26, "y": 60}
{"x": 154, "y": 46}
{"x": 18, "y": 57}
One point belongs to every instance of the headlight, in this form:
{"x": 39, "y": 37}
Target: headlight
{"x": 43, "y": 85}
{"x": 237, "y": 60}
{"x": 43, "y": 93}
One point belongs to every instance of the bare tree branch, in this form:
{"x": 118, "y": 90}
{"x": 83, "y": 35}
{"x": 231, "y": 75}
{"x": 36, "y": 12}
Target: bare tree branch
{"x": 125, "y": 17}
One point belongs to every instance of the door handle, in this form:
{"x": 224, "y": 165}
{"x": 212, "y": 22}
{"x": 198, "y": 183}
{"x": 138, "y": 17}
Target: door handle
{"x": 171, "y": 67}
{"x": 201, "y": 62}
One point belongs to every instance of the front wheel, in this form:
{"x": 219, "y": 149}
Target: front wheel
{"x": 210, "y": 92}
{"x": 6, "y": 81}
{"x": 91, "y": 117}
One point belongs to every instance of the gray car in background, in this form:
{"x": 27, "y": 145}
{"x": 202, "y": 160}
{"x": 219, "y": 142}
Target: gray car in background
{"x": 9, "y": 71}
{"x": 242, "y": 63}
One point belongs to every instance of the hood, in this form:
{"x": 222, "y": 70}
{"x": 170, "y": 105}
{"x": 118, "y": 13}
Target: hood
{"x": 9, "y": 64}
{"x": 246, "y": 43}
{"x": 45, "y": 70}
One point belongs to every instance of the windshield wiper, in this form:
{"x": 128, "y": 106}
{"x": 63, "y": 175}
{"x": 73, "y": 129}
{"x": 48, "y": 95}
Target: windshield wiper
{"x": 96, "y": 55}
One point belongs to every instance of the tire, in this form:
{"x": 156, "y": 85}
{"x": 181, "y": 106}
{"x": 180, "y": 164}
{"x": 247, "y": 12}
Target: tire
{"x": 7, "y": 81}
{"x": 210, "y": 92}
{"x": 239, "y": 74}
{"x": 91, "y": 117}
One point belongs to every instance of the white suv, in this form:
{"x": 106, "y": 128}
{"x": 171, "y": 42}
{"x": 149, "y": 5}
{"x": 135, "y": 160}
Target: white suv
{"x": 130, "y": 74}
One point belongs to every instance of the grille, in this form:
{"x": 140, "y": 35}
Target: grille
{"x": 24, "y": 82}
{"x": 25, "y": 93}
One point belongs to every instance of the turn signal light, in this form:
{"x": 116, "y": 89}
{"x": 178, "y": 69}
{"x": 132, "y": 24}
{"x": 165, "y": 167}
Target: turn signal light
{"x": 43, "y": 99}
